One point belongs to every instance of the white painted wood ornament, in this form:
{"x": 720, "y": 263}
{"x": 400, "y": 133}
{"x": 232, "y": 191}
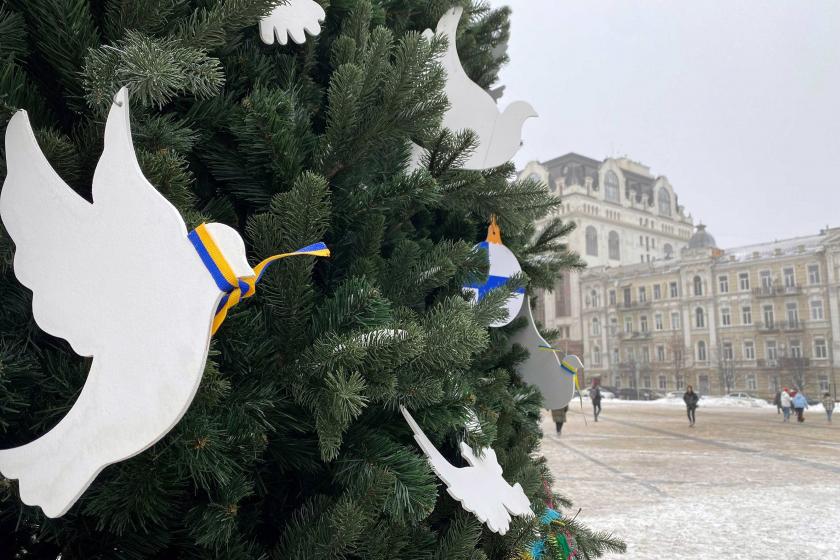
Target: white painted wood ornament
{"x": 295, "y": 19}
{"x": 480, "y": 487}
{"x": 470, "y": 106}
{"x": 555, "y": 377}
{"x": 503, "y": 265}
{"x": 124, "y": 283}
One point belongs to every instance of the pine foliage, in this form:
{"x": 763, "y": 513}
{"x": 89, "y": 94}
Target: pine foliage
{"x": 294, "y": 446}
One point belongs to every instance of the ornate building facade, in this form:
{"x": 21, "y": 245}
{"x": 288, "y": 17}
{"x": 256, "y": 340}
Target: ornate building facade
{"x": 624, "y": 215}
{"x": 752, "y": 319}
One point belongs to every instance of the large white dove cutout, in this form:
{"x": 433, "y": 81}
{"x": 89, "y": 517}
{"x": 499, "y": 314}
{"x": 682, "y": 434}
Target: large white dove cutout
{"x": 470, "y": 106}
{"x": 122, "y": 281}
{"x": 293, "y": 19}
{"x": 555, "y": 378}
{"x": 479, "y": 488}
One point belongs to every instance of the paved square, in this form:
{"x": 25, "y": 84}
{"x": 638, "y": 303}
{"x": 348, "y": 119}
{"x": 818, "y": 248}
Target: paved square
{"x": 739, "y": 485}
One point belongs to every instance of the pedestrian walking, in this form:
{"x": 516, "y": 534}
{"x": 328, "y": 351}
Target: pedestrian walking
{"x": 786, "y": 402}
{"x": 595, "y": 396}
{"x": 559, "y": 417}
{"x": 800, "y": 403}
{"x": 828, "y": 405}
{"x": 777, "y": 400}
{"x": 691, "y": 399}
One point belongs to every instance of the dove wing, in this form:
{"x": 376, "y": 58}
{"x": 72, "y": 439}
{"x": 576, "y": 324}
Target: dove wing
{"x": 440, "y": 465}
{"x": 66, "y": 249}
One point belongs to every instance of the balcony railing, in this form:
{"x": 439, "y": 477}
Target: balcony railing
{"x": 774, "y": 291}
{"x": 768, "y": 327}
{"x": 635, "y": 304}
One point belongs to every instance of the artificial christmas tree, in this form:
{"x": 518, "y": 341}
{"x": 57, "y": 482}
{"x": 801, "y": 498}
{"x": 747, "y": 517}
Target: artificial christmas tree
{"x": 294, "y": 446}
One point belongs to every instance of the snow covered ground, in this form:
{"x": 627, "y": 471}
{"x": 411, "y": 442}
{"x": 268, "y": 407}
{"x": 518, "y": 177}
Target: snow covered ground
{"x": 740, "y": 485}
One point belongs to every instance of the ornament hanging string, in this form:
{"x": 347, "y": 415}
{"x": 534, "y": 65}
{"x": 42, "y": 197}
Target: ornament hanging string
{"x": 237, "y": 288}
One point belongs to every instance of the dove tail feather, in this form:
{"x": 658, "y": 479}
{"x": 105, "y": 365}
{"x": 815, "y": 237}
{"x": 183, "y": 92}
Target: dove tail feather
{"x": 43, "y": 480}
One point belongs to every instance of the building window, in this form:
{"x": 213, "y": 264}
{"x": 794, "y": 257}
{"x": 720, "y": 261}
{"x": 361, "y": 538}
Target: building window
{"x": 591, "y": 241}
{"x": 657, "y": 321}
{"x": 701, "y": 351}
{"x": 699, "y": 318}
{"x": 614, "y": 246}
{"x": 663, "y": 383}
{"x": 627, "y": 297}
{"x": 657, "y": 291}
{"x": 790, "y": 280}
{"x": 664, "y": 202}
{"x": 642, "y": 294}
{"x": 595, "y": 296}
{"x": 824, "y": 384}
{"x": 752, "y": 385}
{"x": 612, "y": 297}
{"x": 813, "y": 274}
{"x": 596, "y": 326}
{"x": 723, "y": 283}
{"x": 744, "y": 281}
{"x": 611, "y": 189}
{"x": 749, "y": 350}
{"x": 645, "y": 354}
{"x": 643, "y": 324}
{"x": 675, "y": 320}
{"x": 698, "y": 286}
{"x": 660, "y": 353}
{"x": 725, "y": 317}
{"x": 792, "y": 314}
{"x": 728, "y": 353}
{"x": 769, "y": 319}
{"x": 746, "y": 315}
{"x": 674, "y": 290}
{"x": 615, "y": 356}
{"x": 668, "y": 249}
{"x": 820, "y": 349}
{"x": 596, "y": 356}
{"x": 628, "y": 325}
{"x": 680, "y": 382}
{"x": 795, "y": 349}
{"x": 770, "y": 347}
{"x": 765, "y": 278}
{"x": 817, "y": 309}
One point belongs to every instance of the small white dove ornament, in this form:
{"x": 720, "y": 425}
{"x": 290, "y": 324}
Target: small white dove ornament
{"x": 470, "y": 106}
{"x": 123, "y": 282}
{"x": 554, "y": 377}
{"x": 480, "y": 487}
{"x": 503, "y": 265}
{"x": 293, "y": 19}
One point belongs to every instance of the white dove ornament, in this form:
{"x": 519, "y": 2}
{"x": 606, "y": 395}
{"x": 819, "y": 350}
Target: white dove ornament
{"x": 470, "y": 106}
{"x": 479, "y": 488}
{"x": 123, "y": 282}
{"x": 554, "y": 377}
{"x": 293, "y": 19}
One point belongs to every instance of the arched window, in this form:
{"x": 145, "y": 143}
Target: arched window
{"x": 614, "y": 245}
{"x": 669, "y": 250}
{"x": 700, "y": 318}
{"x": 701, "y": 351}
{"x": 591, "y": 241}
{"x": 664, "y": 202}
{"x": 596, "y": 326}
{"x": 698, "y": 286}
{"x": 596, "y": 356}
{"x": 611, "y": 189}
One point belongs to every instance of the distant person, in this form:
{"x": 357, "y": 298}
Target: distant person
{"x": 777, "y": 400}
{"x": 691, "y": 399}
{"x": 785, "y": 400}
{"x": 595, "y": 396}
{"x": 559, "y": 417}
{"x": 800, "y": 403}
{"x": 828, "y": 405}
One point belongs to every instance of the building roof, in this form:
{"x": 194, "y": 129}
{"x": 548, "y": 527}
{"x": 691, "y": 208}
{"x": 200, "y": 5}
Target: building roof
{"x": 701, "y": 239}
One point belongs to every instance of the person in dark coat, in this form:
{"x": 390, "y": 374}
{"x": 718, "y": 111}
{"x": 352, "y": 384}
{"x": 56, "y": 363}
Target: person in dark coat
{"x": 691, "y": 399}
{"x": 559, "y": 417}
{"x": 777, "y": 400}
{"x": 595, "y": 396}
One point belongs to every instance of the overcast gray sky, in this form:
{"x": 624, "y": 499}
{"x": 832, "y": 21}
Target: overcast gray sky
{"x": 736, "y": 102}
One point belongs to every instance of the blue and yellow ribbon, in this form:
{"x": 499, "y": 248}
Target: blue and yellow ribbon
{"x": 234, "y": 288}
